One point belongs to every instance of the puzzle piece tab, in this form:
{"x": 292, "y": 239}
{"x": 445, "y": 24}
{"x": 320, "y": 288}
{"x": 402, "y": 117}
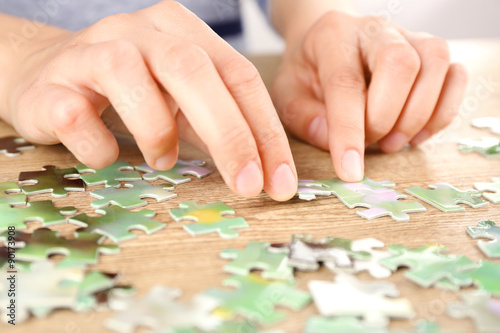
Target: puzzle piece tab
{"x": 6, "y": 196}
{"x": 257, "y": 256}
{"x": 446, "y": 197}
{"x": 429, "y": 266}
{"x": 349, "y": 297}
{"x": 477, "y": 305}
{"x": 488, "y": 188}
{"x": 117, "y": 222}
{"x": 487, "y": 277}
{"x": 131, "y": 197}
{"x": 51, "y": 179}
{"x": 487, "y": 229}
{"x": 491, "y": 123}
{"x": 209, "y": 217}
{"x": 84, "y": 249}
{"x": 176, "y": 175}
{"x": 159, "y": 311}
{"x": 42, "y": 211}
{"x": 110, "y": 176}
{"x": 256, "y": 298}
{"x": 489, "y": 147}
{"x": 12, "y": 146}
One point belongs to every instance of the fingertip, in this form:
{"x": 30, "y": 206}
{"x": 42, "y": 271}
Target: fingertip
{"x": 167, "y": 161}
{"x": 283, "y": 185}
{"x": 351, "y": 166}
{"x": 249, "y": 181}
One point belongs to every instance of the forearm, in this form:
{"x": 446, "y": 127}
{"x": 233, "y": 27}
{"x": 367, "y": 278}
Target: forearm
{"x": 292, "y": 18}
{"x": 18, "y": 38}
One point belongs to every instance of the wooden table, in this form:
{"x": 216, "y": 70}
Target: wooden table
{"x": 173, "y": 258}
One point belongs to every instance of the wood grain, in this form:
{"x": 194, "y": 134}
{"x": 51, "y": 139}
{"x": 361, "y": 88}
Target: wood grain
{"x": 174, "y": 258}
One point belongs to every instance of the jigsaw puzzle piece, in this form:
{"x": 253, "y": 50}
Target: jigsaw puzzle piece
{"x": 477, "y": 305}
{"x": 160, "y": 312}
{"x": 116, "y": 223}
{"x": 487, "y": 277}
{"x": 489, "y": 147}
{"x": 209, "y": 217}
{"x": 344, "y": 324}
{"x": 487, "y": 229}
{"x": 131, "y": 197}
{"x": 110, "y": 176}
{"x": 488, "y": 188}
{"x": 42, "y": 211}
{"x": 228, "y": 327}
{"x": 6, "y": 196}
{"x": 256, "y": 298}
{"x": 305, "y": 254}
{"x": 349, "y": 297}
{"x": 491, "y": 123}
{"x": 176, "y": 175}
{"x": 257, "y": 256}
{"x": 446, "y": 197}
{"x": 12, "y": 146}
{"x": 84, "y": 249}
{"x": 51, "y": 179}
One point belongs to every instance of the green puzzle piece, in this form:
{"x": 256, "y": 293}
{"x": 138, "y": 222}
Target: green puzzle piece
{"x": 51, "y": 179}
{"x": 487, "y": 229}
{"x": 487, "y": 277}
{"x": 228, "y": 327}
{"x": 210, "y": 218}
{"x": 256, "y": 298}
{"x": 345, "y": 324}
{"x": 429, "y": 266}
{"x": 490, "y": 187}
{"x": 488, "y": 146}
{"x": 176, "y": 175}
{"x": 257, "y": 256}
{"x": 478, "y": 306}
{"x": 84, "y": 249}
{"x": 445, "y": 197}
{"x": 131, "y": 197}
{"x": 42, "y": 211}
{"x": 117, "y": 222}
{"x": 6, "y": 189}
{"x": 110, "y": 176}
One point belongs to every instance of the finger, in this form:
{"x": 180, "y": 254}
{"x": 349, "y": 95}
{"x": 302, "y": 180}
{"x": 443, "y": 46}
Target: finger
{"x": 74, "y": 121}
{"x": 395, "y": 65}
{"x": 435, "y": 61}
{"x": 116, "y": 69}
{"x": 453, "y": 92}
{"x": 343, "y": 81}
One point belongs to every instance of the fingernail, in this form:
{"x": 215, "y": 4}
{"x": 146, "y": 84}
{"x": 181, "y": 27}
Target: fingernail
{"x": 420, "y": 137}
{"x": 167, "y": 161}
{"x": 249, "y": 181}
{"x": 318, "y": 132}
{"x": 352, "y": 166}
{"x": 283, "y": 183}
{"x": 395, "y": 141}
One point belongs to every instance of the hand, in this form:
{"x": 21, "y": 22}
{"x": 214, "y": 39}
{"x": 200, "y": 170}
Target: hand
{"x": 166, "y": 73}
{"x": 351, "y": 81}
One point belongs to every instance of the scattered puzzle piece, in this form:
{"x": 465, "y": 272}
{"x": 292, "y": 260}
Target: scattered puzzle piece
{"x": 84, "y": 249}
{"x": 429, "y": 266}
{"x": 349, "y": 297}
{"x": 489, "y": 147}
{"x": 42, "y": 211}
{"x": 176, "y": 175}
{"x": 491, "y": 123}
{"x": 256, "y": 298}
{"x": 490, "y": 187}
{"x": 51, "y": 179}
{"x": 131, "y": 197}
{"x": 17, "y": 199}
{"x": 117, "y": 222}
{"x": 110, "y": 176}
{"x": 487, "y": 277}
{"x": 210, "y": 218}
{"x": 372, "y": 264}
{"x": 487, "y": 229}
{"x": 477, "y": 306}
{"x": 12, "y": 146}
{"x": 344, "y": 324}
{"x": 445, "y": 197}
{"x": 305, "y": 255}
{"x": 159, "y": 311}
{"x": 229, "y": 327}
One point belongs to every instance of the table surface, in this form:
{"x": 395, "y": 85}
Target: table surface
{"x": 174, "y": 258}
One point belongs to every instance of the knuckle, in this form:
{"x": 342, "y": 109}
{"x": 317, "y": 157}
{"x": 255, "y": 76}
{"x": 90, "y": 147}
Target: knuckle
{"x": 271, "y": 137}
{"x": 401, "y": 56}
{"x": 241, "y": 73}
{"x": 155, "y": 139}
{"x": 459, "y": 73}
{"x": 68, "y": 112}
{"x": 186, "y": 60}
{"x": 236, "y": 139}
{"x": 109, "y": 24}
{"x": 436, "y": 48}
{"x": 117, "y": 55}
{"x": 347, "y": 79}
{"x": 350, "y": 129}
{"x": 379, "y": 130}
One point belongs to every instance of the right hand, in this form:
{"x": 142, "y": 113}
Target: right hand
{"x": 167, "y": 74}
